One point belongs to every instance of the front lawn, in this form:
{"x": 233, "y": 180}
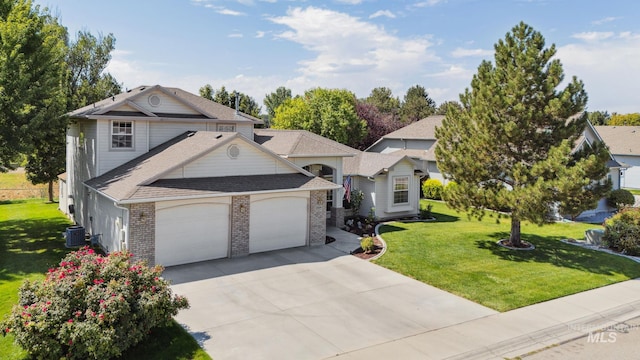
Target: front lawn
{"x": 30, "y": 243}
{"x": 634, "y": 191}
{"x": 460, "y": 255}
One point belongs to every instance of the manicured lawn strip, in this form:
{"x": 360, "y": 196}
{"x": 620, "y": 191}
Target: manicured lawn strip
{"x": 461, "y": 256}
{"x": 634, "y": 191}
{"x": 30, "y": 243}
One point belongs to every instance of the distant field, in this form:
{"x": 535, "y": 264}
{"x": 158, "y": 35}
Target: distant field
{"x": 14, "y": 186}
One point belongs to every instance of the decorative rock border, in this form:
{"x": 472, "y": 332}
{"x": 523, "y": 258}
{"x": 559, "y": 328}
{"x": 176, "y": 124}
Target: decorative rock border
{"x": 531, "y": 246}
{"x": 586, "y": 245}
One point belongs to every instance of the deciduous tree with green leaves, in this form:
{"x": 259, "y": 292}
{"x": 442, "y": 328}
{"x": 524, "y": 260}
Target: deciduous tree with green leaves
{"x": 275, "y": 99}
{"x": 632, "y": 119}
{"x": 510, "y": 147}
{"x": 32, "y": 96}
{"x": 383, "y": 99}
{"x": 327, "y": 112}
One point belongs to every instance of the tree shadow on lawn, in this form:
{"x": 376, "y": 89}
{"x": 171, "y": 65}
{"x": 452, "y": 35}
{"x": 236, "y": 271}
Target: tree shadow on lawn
{"x": 445, "y": 218}
{"x": 550, "y": 250}
{"x": 30, "y": 246}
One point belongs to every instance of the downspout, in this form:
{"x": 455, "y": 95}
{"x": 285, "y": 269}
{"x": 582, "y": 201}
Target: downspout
{"x": 124, "y": 228}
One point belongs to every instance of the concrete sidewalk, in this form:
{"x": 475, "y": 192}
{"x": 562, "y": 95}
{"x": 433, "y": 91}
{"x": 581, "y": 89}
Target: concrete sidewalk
{"x": 518, "y": 332}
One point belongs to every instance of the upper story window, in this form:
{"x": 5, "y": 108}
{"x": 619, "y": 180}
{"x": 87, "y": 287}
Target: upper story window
{"x": 122, "y": 135}
{"x": 400, "y": 190}
{"x": 226, "y": 127}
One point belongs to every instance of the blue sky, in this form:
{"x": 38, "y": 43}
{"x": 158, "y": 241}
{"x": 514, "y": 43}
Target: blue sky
{"x": 255, "y": 46}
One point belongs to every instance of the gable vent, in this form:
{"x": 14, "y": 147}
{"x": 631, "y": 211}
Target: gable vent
{"x": 233, "y": 151}
{"x": 154, "y": 100}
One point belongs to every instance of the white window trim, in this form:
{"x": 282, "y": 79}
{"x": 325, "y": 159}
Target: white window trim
{"x": 112, "y": 134}
{"x": 393, "y": 190}
{"x": 218, "y": 126}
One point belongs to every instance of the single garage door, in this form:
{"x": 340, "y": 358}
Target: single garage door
{"x": 278, "y": 221}
{"x": 187, "y": 232}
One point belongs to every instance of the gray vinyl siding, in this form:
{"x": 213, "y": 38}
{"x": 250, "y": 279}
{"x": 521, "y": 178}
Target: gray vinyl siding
{"x": 168, "y": 104}
{"x": 111, "y": 158}
{"x": 368, "y": 188}
{"x": 631, "y": 178}
{"x": 103, "y": 219}
{"x": 81, "y": 166}
{"x": 250, "y": 161}
{"x": 161, "y": 132}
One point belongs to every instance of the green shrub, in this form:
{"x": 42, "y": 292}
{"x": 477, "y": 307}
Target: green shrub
{"x": 448, "y": 188}
{"x": 620, "y": 198}
{"x": 367, "y": 245}
{"x": 425, "y": 212}
{"x": 91, "y": 307}
{"x": 432, "y": 189}
{"x": 622, "y": 231}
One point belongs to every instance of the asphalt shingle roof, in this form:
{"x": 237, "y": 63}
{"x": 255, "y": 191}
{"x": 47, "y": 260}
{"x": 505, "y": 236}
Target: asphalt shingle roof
{"x": 209, "y": 109}
{"x": 621, "y": 140}
{"x": 370, "y": 163}
{"x": 140, "y": 178}
{"x": 298, "y": 143}
{"x": 424, "y": 129}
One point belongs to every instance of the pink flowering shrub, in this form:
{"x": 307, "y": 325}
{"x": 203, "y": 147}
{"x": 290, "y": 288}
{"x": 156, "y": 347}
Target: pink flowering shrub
{"x": 91, "y": 307}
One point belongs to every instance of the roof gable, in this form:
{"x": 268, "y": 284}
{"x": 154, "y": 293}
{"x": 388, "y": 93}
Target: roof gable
{"x": 162, "y": 102}
{"x": 172, "y": 160}
{"x": 371, "y": 164}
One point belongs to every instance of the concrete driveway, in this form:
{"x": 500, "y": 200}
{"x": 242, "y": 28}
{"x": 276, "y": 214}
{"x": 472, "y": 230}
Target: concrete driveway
{"x": 307, "y": 303}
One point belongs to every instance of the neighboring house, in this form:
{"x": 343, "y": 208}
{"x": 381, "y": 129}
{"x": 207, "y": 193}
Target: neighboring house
{"x": 417, "y": 141}
{"x": 624, "y": 145}
{"x": 176, "y": 178}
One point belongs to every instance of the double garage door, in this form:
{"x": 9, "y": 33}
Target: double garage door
{"x": 198, "y": 230}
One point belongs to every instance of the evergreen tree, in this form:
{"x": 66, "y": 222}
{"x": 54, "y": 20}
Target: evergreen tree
{"x": 275, "y": 99}
{"x": 383, "y": 99}
{"x": 417, "y": 105}
{"x": 246, "y": 104}
{"x": 510, "y": 146}
{"x": 444, "y": 107}
{"x": 599, "y": 117}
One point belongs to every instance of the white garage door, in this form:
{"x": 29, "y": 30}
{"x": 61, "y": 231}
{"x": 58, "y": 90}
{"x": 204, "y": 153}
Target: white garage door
{"x": 187, "y": 232}
{"x": 278, "y": 221}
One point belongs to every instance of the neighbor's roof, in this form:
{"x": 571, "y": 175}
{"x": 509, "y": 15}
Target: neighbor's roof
{"x": 428, "y": 155}
{"x": 370, "y": 163}
{"x": 140, "y": 178}
{"x": 300, "y": 143}
{"x": 206, "y": 108}
{"x": 621, "y": 140}
{"x": 421, "y": 129}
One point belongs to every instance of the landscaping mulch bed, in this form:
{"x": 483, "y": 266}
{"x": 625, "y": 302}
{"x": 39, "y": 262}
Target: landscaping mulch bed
{"x": 366, "y": 256}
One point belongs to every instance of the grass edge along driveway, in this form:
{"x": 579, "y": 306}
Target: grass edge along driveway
{"x": 460, "y": 255}
{"x": 30, "y": 243}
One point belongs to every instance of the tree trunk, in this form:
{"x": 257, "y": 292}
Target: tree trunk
{"x": 514, "y": 238}
{"x": 50, "y": 191}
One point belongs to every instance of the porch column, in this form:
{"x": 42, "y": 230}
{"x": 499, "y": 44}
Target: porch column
{"x": 337, "y": 211}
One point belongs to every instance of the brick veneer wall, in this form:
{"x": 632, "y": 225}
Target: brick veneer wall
{"x": 142, "y": 232}
{"x": 240, "y": 206}
{"x": 317, "y": 218}
{"x": 337, "y": 217}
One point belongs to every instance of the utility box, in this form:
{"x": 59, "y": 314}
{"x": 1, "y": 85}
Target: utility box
{"x": 75, "y": 236}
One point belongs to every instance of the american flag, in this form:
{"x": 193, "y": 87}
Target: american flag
{"x": 347, "y": 188}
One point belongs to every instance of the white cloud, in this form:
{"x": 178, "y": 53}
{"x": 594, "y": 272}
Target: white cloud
{"x": 604, "y": 20}
{"x": 350, "y": 2}
{"x": 609, "y": 68}
{"x": 259, "y": 34}
{"x": 352, "y": 53}
{"x": 225, "y": 11}
{"x": 593, "y": 35}
{"x": 422, "y": 4}
{"x": 460, "y": 52}
{"x": 379, "y": 13}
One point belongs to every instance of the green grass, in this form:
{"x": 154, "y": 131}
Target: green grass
{"x": 30, "y": 243}
{"x": 460, "y": 255}
{"x": 634, "y": 191}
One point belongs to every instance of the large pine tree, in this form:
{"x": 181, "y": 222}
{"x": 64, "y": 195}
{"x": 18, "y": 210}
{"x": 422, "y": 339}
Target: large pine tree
{"x": 510, "y": 147}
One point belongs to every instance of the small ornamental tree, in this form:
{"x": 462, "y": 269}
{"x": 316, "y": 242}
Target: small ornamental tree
{"x": 91, "y": 307}
{"x": 620, "y": 198}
